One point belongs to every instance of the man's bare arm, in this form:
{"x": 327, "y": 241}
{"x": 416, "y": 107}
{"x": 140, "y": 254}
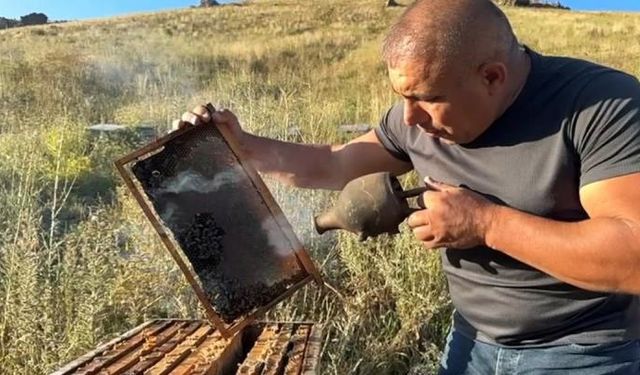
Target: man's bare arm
{"x": 321, "y": 166}
{"x": 305, "y": 165}
{"x": 601, "y": 253}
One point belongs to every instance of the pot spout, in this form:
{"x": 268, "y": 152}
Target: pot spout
{"x": 326, "y": 221}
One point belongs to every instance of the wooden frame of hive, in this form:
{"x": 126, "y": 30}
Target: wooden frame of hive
{"x": 303, "y": 260}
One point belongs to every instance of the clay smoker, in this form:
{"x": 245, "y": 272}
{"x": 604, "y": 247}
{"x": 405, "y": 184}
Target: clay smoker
{"x": 369, "y": 206}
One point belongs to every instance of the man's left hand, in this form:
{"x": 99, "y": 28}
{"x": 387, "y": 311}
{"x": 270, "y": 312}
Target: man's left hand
{"x": 455, "y": 217}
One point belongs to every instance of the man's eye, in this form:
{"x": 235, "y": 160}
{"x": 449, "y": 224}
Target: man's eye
{"x": 430, "y": 99}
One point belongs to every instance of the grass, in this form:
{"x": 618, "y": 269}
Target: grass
{"x": 79, "y": 263}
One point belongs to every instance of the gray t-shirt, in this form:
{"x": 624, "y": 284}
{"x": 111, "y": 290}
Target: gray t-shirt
{"x": 574, "y": 123}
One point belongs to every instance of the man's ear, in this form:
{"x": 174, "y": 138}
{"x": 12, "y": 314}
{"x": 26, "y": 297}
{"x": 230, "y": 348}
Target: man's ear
{"x": 494, "y": 76}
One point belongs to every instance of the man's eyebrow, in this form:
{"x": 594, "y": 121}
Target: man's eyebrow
{"x": 426, "y": 98}
{"x": 418, "y": 96}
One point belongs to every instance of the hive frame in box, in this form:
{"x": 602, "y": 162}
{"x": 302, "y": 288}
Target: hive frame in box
{"x": 302, "y": 257}
{"x": 120, "y": 351}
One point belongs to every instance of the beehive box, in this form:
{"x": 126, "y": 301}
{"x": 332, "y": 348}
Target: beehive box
{"x": 220, "y": 223}
{"x": 194, "y": 347}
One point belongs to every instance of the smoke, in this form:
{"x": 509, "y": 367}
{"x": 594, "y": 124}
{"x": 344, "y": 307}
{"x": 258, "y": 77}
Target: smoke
{"x": 277, "y": 239}
{"x": 168, "y": 212}
{"x": 190, "y": 181}
{"x": 129, "y": 83}
{"x": 299, "y": 207}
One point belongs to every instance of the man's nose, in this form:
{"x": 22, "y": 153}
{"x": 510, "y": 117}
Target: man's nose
{"x": 414, "y": 114}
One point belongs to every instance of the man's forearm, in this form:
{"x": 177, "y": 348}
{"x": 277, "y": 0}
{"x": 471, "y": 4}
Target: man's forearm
{"x": 300, "y": 165}
{"x": 597, "y": 254}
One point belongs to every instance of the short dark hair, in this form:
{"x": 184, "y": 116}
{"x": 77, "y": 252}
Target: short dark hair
{"x": 446, "y": 32}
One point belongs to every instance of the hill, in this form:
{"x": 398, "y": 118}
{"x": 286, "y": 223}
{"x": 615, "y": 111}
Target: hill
{"x": 79, "y": 263}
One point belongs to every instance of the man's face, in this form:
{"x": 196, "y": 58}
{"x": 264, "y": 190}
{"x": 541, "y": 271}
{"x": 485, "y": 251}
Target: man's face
{"x": 454, "y": 109}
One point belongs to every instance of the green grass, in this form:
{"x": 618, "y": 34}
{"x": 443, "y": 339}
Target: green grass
{"x": 78, "y": 261}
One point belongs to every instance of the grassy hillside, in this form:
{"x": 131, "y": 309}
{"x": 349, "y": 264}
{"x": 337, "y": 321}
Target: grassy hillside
{"x": 78, "y": 262}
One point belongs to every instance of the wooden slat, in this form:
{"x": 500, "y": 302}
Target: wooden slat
{"x": 125, "y": 362}
{"x": 120, "y": 350}
{"x": 204, "y": 357}
{"x": 276, "y": 359}
{"x": 312, "y": 354}
{"x": 188, "y": 365}
{"x": 181, "y": 351}
{"x": 217, "y": 357}
{"x": 296, "y": 354}
{"x": 155, "y": 351}
{"x": 255, "y": 361}
{"x": 73, "y": 366}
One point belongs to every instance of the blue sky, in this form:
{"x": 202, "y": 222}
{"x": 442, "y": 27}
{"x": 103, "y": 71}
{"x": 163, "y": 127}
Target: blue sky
{"x": 624, "y": 5}
{"x": 81, "y": 9}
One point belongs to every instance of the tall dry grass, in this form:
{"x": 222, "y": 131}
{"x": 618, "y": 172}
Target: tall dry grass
{"x": 78, "y": 262}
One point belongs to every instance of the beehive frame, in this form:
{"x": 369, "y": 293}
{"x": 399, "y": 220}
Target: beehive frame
{"x": 180, "y": 347}
{"x": 305, "y": 263}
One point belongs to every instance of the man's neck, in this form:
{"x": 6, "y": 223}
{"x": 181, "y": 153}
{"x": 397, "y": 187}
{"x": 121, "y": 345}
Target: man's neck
{"x": 522, "y": 67}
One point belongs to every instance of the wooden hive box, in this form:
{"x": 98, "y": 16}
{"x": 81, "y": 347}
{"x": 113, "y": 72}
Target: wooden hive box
{"x": 193, "y": 347}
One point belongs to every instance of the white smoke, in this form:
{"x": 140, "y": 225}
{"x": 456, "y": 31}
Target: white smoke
{"x": 190, "y": 181}
{"x": 168, "y": 212}
{"x": 299, "y": 207}
{"x": 277, "y": 238}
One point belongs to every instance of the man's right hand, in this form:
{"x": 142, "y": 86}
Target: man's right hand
{"x": 201, "y": 115}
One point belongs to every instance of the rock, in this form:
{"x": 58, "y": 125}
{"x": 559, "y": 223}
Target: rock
{"x": 34, "y": 19}
{"x": 532, "y": 3}
{"x": 139, "y": 134}
{"x": 518, "y": 3}
{"x": 208, "y": 3}
{"x": 354, "y": 128}
{"x": 6, "y": 23}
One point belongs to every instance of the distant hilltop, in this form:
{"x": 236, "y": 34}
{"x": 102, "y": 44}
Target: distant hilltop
{"x": 28, "y": 20}
{"x": 208, "y": 3}
{"x": 41, "y": 18}
{"x": 532, "y": 3}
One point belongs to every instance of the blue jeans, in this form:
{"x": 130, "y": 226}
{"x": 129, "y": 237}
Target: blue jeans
{"x": 464, "y": 356}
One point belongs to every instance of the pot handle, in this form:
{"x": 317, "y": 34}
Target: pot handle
{"x": 417, "y": 192}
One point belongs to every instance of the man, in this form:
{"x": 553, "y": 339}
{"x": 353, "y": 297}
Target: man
{"x": 534, "y": 169}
